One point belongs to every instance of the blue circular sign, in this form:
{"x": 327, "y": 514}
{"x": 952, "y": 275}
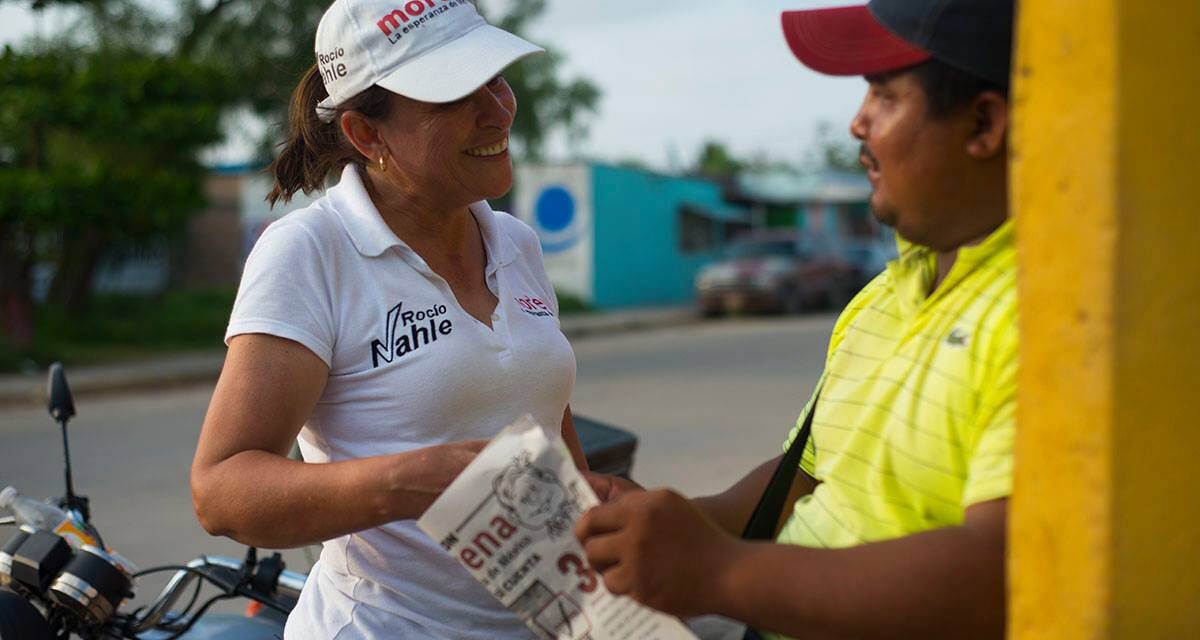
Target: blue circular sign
{"x": 555, "y": 209}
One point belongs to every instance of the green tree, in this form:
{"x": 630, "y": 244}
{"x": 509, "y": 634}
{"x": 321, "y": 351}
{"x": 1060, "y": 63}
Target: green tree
{"x": 95, "y": 146}
{"x": 716, "y": 161}
{"x": 833, "y": 148}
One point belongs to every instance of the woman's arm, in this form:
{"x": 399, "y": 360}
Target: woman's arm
{"x": 245, "y": 487}
{"x": 572, "y": 439}
{"x": 606, "y": 487}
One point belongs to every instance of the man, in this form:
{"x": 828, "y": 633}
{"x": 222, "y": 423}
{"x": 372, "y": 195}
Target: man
{"x": 897, "y": 521}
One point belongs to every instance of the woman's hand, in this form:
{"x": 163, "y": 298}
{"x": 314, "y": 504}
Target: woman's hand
{"x": 609, "y": 488}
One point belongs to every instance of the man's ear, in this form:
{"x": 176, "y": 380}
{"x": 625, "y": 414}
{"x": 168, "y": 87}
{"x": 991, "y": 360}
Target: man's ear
{"x": 363, "y": 134}
{"x": 989, "y": 112}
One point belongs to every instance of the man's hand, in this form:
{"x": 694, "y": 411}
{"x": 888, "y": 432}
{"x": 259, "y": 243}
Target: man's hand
{"x": 659, "y": 549}
{"x": 609, "y": 488}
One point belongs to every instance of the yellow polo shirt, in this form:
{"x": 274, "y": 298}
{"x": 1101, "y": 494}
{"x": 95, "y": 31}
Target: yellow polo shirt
{"x": 915, "y": 420}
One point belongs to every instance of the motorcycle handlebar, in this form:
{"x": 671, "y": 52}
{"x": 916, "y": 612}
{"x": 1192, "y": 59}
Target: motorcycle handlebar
{"x": 288, "y": 585}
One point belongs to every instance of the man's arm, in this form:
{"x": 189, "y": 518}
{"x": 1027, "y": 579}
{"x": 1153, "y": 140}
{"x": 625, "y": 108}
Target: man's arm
{"x": 945, "y": 583}
{"x": 663, "y": 551}
{"x": 731, "y": 509}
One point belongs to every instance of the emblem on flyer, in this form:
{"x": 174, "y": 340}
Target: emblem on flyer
{"x": 536, "y": 497}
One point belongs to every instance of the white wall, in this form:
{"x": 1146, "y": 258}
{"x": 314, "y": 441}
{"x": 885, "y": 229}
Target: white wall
{"x": 567, "y": 234}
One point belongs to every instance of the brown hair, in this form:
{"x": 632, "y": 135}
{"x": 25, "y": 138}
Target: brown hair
{"x": 315, "y": 149}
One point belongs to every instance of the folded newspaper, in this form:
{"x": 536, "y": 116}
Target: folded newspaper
{"x": 509, "y": 519}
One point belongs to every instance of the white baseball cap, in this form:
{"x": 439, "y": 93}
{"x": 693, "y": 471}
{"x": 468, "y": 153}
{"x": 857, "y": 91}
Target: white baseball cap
{"x": 427, "y": 50}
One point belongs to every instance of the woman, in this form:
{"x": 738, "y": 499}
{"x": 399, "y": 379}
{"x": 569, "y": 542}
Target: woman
{"x": 381, "y": 325}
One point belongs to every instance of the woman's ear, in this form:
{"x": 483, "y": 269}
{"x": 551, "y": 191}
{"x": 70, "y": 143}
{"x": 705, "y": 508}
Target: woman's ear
{"x": 990, "y": 114}
{"x": 363, "y": 134}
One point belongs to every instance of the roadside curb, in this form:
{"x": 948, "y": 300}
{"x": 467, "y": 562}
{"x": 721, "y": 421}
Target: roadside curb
{"x": 204, "y": 367}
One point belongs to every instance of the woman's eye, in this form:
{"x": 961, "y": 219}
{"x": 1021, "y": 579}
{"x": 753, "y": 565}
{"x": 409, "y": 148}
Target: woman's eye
{"x": 496, "y": 80}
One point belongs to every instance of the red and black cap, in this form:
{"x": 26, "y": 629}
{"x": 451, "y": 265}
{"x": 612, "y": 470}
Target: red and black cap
{"x": 886, "y": 35}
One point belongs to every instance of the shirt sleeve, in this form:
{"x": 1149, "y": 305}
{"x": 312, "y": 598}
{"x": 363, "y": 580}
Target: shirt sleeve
{"x": 990, "y": 468}
{"x": 284, "y": 291}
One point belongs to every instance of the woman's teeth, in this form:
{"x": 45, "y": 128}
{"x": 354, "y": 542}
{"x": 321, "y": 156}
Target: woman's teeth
{"x": 494, "y": 150}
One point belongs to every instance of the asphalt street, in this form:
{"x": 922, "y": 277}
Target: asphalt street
{"x": 708, "y": 401}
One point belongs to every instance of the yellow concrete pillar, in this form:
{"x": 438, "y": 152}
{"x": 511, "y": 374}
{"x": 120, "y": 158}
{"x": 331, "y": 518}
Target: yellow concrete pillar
{"x": 1105, "y": 521}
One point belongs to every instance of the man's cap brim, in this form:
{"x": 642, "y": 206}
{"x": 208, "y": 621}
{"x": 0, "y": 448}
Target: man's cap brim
{"x": 457, "y": 68}
{"x": 847, "y": 41}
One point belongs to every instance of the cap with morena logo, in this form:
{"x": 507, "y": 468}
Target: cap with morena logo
{"x": 427, "y": 50}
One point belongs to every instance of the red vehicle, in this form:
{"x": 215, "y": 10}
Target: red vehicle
{"x": 781, "y": 271}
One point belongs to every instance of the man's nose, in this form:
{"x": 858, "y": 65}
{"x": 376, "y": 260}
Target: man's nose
{"x": 858, "y": 126}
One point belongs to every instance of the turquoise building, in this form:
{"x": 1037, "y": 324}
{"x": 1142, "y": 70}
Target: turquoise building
{"x": 621, "y": 237}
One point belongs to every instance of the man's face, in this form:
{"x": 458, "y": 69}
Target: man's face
{"x": 914, "y": 162}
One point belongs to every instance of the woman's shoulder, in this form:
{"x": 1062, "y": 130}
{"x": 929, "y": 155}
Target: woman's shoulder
{"x": 317, "y": 217}
{"x": 517, "y": 230}
{"x": 300, "y": 229}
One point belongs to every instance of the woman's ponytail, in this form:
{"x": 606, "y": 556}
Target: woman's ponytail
{"x": 315, "y": 149}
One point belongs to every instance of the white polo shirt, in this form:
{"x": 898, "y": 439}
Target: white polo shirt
{"x": 408, "y": 368}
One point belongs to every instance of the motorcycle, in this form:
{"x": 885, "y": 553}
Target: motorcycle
{"x": 62, "y": 581}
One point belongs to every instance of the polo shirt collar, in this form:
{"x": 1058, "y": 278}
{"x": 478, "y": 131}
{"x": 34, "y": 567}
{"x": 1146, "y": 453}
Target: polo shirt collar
{"x": 914, "y": 271}
{"x": 500, "y": 248}
{"x": 372, "y": 236}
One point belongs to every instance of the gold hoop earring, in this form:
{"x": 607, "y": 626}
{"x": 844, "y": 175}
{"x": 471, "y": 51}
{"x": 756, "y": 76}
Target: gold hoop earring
{"x": 382, "y": 162}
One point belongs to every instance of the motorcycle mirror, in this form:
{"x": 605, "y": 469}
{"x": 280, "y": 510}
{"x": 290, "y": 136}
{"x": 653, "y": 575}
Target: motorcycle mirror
{"x": 62, "y": 409}
{"x": 61, "y": 405}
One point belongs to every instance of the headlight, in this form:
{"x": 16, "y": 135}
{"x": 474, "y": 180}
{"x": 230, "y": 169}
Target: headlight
{"x": 771, "y": 273}
{"x": 766, "y": 279}
{"x": 715, "y": 276}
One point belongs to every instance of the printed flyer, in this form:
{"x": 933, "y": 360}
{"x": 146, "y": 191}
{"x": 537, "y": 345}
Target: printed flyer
{"x": 508, "y": 518}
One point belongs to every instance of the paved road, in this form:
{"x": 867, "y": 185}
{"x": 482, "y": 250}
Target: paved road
{"x": 708, "y": 401}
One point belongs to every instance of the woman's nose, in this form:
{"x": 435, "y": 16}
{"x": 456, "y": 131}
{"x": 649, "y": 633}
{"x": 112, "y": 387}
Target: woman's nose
{"x": 497, "y": 106}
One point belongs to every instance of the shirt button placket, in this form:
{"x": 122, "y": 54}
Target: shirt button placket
{"x": 500, "y": 321}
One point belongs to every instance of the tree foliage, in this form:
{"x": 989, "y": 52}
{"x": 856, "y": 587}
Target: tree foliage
{"x": 716, "y": 161}
{"x": 833, "y": 148}
{"x": 96, "y": 145}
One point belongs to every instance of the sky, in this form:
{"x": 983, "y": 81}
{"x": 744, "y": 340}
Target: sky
{"x": 674, "y": 73}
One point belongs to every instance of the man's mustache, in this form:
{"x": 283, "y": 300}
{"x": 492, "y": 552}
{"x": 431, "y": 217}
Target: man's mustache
{"x": 864, "y": 152}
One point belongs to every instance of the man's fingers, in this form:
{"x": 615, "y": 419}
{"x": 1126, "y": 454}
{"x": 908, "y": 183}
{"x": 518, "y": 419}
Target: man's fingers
{"x": 618, "y": 580}
{"x": 604, "y": 551}
{"x": 623, "y": 486}
{"x": 598, "y": 520}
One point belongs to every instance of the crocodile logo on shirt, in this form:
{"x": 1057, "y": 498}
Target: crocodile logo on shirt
{"x": 407, "y": 331}
{"x": 957, "y": 338}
